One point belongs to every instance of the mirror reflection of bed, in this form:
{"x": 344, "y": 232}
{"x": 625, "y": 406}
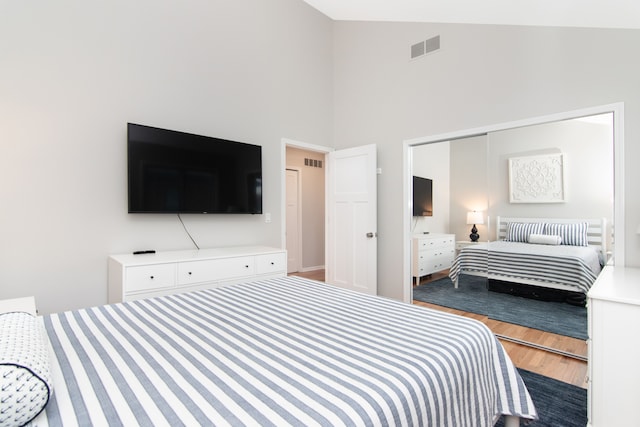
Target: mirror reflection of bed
{"x": 473, "y": 174}
{"x": 549, "y": 259}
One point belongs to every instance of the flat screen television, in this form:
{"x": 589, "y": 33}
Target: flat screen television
{"x": 422, "y": 196}
{"x": 178, "y": 172}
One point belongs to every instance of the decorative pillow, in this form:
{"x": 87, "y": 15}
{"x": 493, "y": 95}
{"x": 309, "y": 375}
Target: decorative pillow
{"x": 571, "y": 234}
{"x": 25, "y": 381}
{"x": 520, "y": 231}
{"x": 544, "y": 239}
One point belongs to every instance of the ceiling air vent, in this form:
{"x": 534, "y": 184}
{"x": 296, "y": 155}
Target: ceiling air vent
{"x": 425, "y": 47}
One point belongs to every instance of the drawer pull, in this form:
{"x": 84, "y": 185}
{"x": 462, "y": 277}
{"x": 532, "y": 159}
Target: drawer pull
{"x": 273, "y": 263}
{"x": 151, "y": 277}
{"x": 246, "y": 266}
{"x": 189, "y": 273}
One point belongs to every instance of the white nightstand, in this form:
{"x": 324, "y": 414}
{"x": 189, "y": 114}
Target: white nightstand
{"x": 26, "y": 304}
{"x": 460, "y": 244}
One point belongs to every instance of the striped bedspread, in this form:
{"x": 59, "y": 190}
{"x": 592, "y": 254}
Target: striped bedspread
{"x": 277, "y": 352}
{"x": 573, "y": 266}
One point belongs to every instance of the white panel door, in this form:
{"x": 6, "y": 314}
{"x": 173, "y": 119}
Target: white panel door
{"x": 352, "y": 219}
{"x": 294, "y": 249}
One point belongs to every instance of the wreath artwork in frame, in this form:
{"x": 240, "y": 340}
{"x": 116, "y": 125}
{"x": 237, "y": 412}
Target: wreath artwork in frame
{"x": 537, "y": 179}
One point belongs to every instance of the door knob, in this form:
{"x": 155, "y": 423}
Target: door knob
{"x": 370, "y": 234}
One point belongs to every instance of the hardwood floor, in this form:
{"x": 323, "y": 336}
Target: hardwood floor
{"x": 551, "y": 363}
{"x": 313, "y": 275}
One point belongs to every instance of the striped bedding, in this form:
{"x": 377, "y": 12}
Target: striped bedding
{"x": 278, "y": 352}
{"x": 546, "y": 265}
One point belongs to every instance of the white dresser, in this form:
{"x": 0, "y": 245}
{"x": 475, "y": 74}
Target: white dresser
{"x": 140, "y": 276}
{"x": 614, "y": 348}
{"x": 431, "y": 253}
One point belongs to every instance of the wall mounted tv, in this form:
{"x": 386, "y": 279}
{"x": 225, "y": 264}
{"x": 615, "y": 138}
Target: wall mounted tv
{"x": 422, "y": 196}
{"x": 177, "y": 172}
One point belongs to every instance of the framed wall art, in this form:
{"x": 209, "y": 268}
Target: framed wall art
{"x": 537, "y": 179}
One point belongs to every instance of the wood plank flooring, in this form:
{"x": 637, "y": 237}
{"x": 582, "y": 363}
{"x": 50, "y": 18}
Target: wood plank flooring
{"x": 543, "y": 362}
{"x": 547, "y": 363}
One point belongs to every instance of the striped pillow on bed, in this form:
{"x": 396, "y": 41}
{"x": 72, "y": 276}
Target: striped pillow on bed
{"x": 520, "y": 231}
{"x": 571, "y": 234}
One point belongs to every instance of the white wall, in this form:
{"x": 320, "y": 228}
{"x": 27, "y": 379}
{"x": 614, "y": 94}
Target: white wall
{"x": 469, "y": 185}
{"x": 588, "y": 158}
{"x": 482, "y": 75}
{"x": 74, "y": 73}
{"x": 432, "y": 161}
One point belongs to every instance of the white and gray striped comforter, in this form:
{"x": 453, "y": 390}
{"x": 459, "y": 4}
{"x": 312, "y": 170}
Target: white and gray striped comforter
{"x": 574, "y": 266}
{"x": 277, "y": 352}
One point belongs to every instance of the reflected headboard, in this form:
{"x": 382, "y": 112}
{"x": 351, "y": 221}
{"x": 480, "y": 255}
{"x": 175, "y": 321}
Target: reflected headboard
{"x": 596, "y": 233}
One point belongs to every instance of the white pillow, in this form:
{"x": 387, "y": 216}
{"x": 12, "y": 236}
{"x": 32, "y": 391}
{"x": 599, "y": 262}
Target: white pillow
{"x": 25, "y": 380}
{"x": 544, "y": 239}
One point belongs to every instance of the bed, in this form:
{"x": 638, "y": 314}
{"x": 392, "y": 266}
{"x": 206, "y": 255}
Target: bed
{"x": 560, "y": 254}
{"x": 284, "y": 351}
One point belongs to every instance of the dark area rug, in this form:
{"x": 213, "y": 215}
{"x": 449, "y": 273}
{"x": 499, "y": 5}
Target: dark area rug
{"x": 472, "y": 296}
{"x": 558, "y": 404}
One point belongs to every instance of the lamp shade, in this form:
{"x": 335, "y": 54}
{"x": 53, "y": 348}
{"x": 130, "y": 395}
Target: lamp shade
{"x": 475, "y": 217}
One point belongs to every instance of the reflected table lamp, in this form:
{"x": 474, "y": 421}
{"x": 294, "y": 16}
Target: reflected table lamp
{"x": 474, "y": 218}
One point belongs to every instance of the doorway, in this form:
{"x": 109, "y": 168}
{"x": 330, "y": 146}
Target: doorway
{"x": 347, "y": 184}
{"x": 305, "y": 209}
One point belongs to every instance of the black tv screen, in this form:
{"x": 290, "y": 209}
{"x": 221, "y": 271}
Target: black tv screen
{"x": 422, "y": 196}
{"x": 178, "y": 172}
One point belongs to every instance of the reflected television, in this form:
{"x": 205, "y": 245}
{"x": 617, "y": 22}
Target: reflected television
{"x": 422, "y": 196}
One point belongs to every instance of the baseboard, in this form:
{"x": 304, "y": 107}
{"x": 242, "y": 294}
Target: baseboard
{"x": 316, "y": 268}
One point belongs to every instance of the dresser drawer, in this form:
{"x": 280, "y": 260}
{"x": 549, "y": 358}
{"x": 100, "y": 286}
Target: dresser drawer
{"x": 271, "y": 263}
{"x": 445, "y": 242}
{"x": 435, "y": 242}
{"x": 439, "y": 263}
{"x": 428, "y": 243}
{"x": 215, "y": 269}
{"x": 437, "y": 253}
{"x": 148, "y": 277}
{"x": 421, "y": 271}
{"x": 436, "y": 261}
{"x": 447, "y": 260}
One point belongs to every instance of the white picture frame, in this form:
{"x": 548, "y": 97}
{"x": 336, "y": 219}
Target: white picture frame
{"x": 537, "y": 179}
